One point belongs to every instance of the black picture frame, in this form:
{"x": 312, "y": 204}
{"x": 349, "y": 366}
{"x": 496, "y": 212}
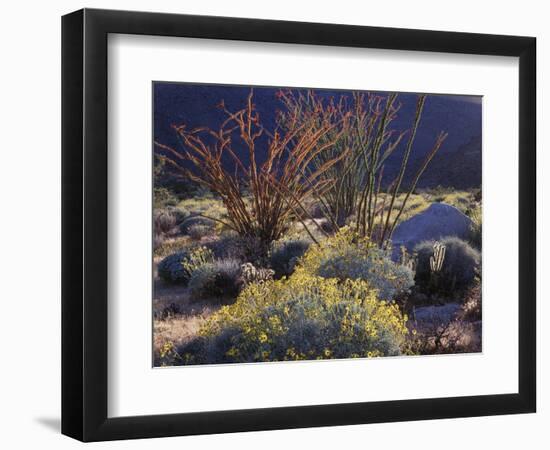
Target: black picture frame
{"x": 84, "y": 224}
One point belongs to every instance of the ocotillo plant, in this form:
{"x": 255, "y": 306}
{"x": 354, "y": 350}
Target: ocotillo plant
{"x": 359, "y": 116}
{"x": 362, "y": 145}
{"x": 276, "y": 186}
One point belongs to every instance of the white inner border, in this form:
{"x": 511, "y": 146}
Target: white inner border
{"x": 135, "y": 388}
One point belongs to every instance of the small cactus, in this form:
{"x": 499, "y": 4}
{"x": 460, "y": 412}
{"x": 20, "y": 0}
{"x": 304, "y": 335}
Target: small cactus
{"x": 436, "y": 260}
{"x": 251, "y": 274}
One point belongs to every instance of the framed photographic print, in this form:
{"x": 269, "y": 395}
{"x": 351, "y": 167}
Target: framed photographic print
{"x": 274, "y": 224}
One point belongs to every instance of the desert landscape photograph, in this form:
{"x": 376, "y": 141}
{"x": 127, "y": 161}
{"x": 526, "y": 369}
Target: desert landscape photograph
{"x": 296, "y": 224}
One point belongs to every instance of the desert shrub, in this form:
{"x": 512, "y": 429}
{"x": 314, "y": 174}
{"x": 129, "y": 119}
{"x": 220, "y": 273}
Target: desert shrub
{"x": 304, "y": 317}
{"x": 178, "y": 267}
{"x": 476, "y": 227}
{"x": 164, "y": 221}
{"x": 285, "y": 255}
{"x": 233, "y": 246}
{"x": 448, "y": 337}
{"x": 458, "y": 271}
{"x": 348, "y": 256}
{"x": 172, "y": 310}
{"x": 158, "y": 240}
{"x": 217, "y": 279}
{"x": 180, "y": 214}
{"x": 471, "y": 308}
{"x": 198, "y": 231}
{"x": 317, "y": 211}
{"x": 163, "y": 197}
{"x": 204, "y": 203}
{"x": 164, "y": 246}
{"x": 196, "y": 220}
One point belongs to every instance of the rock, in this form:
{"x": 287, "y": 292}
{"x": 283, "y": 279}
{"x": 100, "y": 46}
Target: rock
{"x": 436, "y": 222}
{"x": 435, "y": 314}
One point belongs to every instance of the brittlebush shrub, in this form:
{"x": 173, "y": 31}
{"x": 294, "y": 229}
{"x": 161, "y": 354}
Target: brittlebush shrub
{"x": 348, "y": 256}
{"x": 304, "y": 317}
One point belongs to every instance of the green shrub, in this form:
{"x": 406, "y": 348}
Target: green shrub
{"x": 304, "y": 317}
{"x": 347, "y": 256}
{"x": 458, "y": 271}
{"x": 285, "y": 255}
{"x": 178, "y": 267}
{"x": 217, "y": 279}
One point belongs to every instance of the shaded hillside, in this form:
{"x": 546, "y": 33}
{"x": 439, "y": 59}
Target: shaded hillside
{"x": 460, "y": 169}
{"x": 457, "y": 164}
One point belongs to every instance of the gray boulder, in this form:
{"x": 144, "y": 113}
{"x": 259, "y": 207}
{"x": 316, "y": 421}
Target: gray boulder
{"x": 436, "y": 222}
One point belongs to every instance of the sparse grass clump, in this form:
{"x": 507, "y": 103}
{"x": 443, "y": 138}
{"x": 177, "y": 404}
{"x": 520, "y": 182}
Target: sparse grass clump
{"x": 180, "y": 214}
{"x": 164, "y": 221}
{"x": 193, "y": 221}
{"x": 164, "y": 246}
{"x": 204, "y": 203}
{"x": 286, "y": 254}
{"x": 158, "y": 240}
{"x": 198, "y": 231}
{"x": 218, "y": 279}
{"x": 163, "y": 197}
{"x": 304, "y": 317}
{"x": 349, "y": 256}
{"x": 471, "y": 308}
{"x": 458, "y": 270}
{"x": 476, "y": 228}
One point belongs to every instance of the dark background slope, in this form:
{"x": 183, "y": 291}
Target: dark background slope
{"x": 457, "y": 164}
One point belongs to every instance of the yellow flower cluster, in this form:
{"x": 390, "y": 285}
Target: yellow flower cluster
{"x": 338, "y": 244}
{"x": 308, "y": 317}
{"x": 347, "y": 255}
